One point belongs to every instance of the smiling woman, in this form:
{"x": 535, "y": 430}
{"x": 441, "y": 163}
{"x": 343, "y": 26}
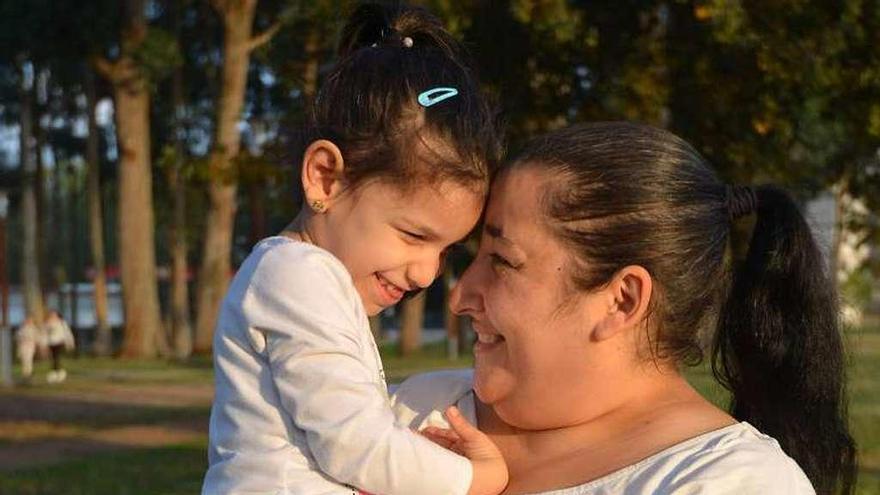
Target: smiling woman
{"x": 604, "y": 264}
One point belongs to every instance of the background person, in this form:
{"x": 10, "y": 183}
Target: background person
{"x": 59, "y": 338}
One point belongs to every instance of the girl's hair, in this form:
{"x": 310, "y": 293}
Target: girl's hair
{"x": 369, "y": 103}
{"x": 626, "y": 194}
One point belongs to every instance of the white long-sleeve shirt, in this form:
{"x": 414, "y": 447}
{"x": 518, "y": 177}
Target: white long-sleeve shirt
{"x": 735, "y": 460}
{"x": 301, "y": 405}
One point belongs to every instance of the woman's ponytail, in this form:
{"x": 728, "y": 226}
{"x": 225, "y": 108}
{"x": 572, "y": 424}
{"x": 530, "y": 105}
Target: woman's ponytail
{"x": 779, "y": 347}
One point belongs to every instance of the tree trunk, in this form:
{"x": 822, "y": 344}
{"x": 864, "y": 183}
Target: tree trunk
{"x": 33, "y": 294}
{"x": 376, "y": 327}
{"x": 43, "y": 213}
{"x": 144, "y": 336}
{"x": 450, "y": 320}
{"x": 310, "y": 74}
{"x": 103, "y": 345}
{"x": 180, "y": 324}
{"x": 412, "y": 318}
{"x": 256, "y": 193}
{"x": 238, "y": 16}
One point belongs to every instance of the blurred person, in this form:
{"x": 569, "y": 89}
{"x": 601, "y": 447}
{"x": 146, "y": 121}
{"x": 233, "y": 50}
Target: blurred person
{"x": 59, "y": 338}
{"x": 27, "y": 339}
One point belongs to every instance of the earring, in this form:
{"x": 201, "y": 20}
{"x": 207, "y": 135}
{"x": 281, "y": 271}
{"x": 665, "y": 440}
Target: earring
{"x": 318, "y": 206}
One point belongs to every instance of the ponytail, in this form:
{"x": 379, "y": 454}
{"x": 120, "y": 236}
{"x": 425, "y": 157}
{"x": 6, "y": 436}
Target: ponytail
{"x": 779, "y": 349}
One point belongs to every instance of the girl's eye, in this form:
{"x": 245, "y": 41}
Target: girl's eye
{"x": 413, "y": 235}
{"x": 499, "y": 261}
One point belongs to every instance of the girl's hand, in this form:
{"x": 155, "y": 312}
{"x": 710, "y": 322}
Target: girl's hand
{"x": 490, "y": 470}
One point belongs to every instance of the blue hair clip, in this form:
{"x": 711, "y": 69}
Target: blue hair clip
{"x": 436, "y": 95}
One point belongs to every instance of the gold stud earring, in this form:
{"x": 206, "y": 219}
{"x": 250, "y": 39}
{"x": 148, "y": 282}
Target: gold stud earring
{"x": 318, "y": 206}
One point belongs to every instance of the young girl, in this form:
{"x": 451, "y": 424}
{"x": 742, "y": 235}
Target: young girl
{"x": 400, "y": 154}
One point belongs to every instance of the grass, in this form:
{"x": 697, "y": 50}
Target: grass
{"x": 179, "y": 469}
{"x": 176, "y": 470}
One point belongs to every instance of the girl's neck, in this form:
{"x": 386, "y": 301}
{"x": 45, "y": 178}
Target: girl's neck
{"x": 299, "y": 229}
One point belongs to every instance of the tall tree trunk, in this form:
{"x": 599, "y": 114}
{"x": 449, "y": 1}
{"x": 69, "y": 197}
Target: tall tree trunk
{"x": 43, "y": 213}
{"x": 144, "y": 336}
{"x": 450, "y": 320}
{"x": 256, "y": 193}
{"x": 180, "y": 323}
{"x": 238, "y": 16}
{"x": 310, "y": 74}
{"x": 412, "y": 318}
{"x": 103, "y": 345}
{"x": 33, "y": 294}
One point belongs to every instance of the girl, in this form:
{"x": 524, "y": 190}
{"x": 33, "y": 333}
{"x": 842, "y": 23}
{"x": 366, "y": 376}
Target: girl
{"x": 401, "y": 150}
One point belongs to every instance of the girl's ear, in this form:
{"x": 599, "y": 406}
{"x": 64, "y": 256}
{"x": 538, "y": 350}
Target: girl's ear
{"x": 629, "y": 296}
{"x": 322, "y": 174}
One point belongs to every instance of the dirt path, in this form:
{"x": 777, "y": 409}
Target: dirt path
{"x": 37, "y": 428}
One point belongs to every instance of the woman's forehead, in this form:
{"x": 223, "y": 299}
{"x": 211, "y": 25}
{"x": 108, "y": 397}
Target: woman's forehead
{"x": 515, "y": 196}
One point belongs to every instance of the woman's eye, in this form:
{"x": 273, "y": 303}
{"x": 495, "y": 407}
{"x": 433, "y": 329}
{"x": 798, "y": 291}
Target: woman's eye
{"x": 499, "y": 261}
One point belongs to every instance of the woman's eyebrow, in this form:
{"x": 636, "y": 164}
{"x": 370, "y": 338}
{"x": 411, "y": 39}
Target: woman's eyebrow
{"x": 497, "y": 234}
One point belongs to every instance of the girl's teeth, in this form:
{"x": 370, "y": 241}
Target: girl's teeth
{"x": 488, "y": 339}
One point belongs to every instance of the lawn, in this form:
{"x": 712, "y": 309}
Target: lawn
{"x": 112, "y": 394}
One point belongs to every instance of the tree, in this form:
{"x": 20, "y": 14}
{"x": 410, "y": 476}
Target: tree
{"x": 144, "y": 336}
{"x": 103, "y": 336}
{"x": 238, "y": 43}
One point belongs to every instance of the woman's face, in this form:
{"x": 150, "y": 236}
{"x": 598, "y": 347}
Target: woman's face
{"x": 533, "y": 355}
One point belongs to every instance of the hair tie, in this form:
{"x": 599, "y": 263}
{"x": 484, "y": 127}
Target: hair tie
{"x": 407, "y": 42}
{"x": 741, "y": 201}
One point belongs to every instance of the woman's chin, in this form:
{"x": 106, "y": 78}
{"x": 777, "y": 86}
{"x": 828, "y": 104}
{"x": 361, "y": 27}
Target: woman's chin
{"x": 491, "y": 384}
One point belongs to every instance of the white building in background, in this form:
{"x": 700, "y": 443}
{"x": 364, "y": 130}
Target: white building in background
{"x": 822, "y": 215}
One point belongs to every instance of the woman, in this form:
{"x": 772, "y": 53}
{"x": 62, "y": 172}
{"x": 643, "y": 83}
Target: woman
{"x": 604, "y": 265}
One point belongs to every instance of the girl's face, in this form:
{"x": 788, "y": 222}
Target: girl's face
{"x": 533, "y": 358}
{"x": 393, "y": 241}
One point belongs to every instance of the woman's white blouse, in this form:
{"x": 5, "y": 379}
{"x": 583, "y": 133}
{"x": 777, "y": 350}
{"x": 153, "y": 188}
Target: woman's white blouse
{"x": 736, "y": 460}
{"x": 301, "y": 405}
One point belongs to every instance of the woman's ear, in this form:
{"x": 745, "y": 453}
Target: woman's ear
{"x": 629, "y": 296}
{"x": 322, "y": 174}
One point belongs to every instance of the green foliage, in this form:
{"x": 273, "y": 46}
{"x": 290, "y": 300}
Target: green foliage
{"x": 157, "y": 56}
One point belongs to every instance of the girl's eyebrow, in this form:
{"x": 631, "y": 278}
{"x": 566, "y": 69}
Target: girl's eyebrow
{"x": 421, "y": 229}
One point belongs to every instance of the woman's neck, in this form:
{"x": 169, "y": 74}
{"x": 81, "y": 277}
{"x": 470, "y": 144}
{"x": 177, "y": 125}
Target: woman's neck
{"x": 651, "y": 417}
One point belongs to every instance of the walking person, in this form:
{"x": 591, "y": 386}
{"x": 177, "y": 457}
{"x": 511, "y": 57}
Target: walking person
{"x": 60, "y": 339}
{"x": 26, "y": 339}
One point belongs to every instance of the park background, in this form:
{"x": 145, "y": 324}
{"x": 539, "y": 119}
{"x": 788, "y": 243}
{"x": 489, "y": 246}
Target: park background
{"x": 146, "y": 145}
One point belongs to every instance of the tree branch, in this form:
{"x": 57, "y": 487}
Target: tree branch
{"x": 264, "y": 37}
{"x": 109, "y": 70}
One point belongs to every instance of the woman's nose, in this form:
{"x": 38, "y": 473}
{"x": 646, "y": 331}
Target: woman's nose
{"x": 463, "y": 297}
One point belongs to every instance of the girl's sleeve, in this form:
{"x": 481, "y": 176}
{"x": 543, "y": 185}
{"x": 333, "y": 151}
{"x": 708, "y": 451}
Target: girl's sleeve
{"x": 306, "y": 313}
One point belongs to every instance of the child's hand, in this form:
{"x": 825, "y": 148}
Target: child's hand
{"x": 490, "y": 470}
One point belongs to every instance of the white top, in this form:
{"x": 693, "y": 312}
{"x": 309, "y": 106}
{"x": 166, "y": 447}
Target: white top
{"x": 58, "y": 333}
{"x": 736, "y": 460}
{"x": 301, "y": 405}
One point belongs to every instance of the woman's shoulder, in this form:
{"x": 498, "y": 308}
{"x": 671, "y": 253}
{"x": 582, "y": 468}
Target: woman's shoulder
{"x": 737, "y": 459}
{"x": 421, "y": 399}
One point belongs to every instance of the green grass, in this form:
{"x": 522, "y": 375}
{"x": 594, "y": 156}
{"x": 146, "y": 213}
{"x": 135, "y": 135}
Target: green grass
{"x": 176, "y": 470}
{"x": 179, "y": 469}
